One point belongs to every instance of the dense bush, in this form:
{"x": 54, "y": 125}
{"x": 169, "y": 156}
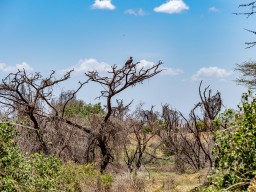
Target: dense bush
{"x": 20, "y": 173}
{"x": 14, "y": 173}
{"x": 235, "y": 149}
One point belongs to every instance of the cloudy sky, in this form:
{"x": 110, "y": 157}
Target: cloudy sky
{"x": 196, "y": 39}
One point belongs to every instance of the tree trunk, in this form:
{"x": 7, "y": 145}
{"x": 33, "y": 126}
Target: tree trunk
{"x": 106, "y": 156}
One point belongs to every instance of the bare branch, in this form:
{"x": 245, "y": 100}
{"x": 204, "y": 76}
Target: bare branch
{"x": 120, "y": 79}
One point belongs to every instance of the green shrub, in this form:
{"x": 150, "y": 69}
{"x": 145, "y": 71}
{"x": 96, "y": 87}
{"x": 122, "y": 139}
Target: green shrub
{"x": 14, "y": 172}
{"x": 46, "y": 171}
{"x": 106, "y": 180}
{"x": 37, "y": 172}
{"x": 20, "y": 173}
{"x": 75, "y": 177}
{"x": 235, "y": 149}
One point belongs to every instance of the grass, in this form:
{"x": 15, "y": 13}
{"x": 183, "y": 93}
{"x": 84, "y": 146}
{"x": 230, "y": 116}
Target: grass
{"x": 164, "y": 178}
{"x": 158, "y": 177}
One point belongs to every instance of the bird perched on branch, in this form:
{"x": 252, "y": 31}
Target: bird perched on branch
{"x": 129, "y": 62}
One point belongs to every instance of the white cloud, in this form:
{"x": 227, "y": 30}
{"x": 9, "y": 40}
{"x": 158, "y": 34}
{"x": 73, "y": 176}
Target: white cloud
{"x": 139, "y": 12}
{"x": 13, "y": 69}
{"x": 166, "y": 71}
{"x": 145, "y": 64}
{"x": 103, "y": 4}
{"x": 172, "y": 6}
{"x": 2, "y": 65}
{"x": 171, "y": 71}
{"x": 213, "y": 9}
{"x": 25, "y": 66}
{"x": 91, "y": 64}
{"x": 211, "y": 72}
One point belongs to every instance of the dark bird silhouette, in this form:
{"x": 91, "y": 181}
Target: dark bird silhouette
{"x": 128, "y": 62}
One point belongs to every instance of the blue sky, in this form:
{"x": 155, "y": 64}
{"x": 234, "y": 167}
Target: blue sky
{"x": 196, "y": 40}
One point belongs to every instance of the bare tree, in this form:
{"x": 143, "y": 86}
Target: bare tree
{"x": 210, "y": 104}
{"x": 139, "y": 139}
{"x": 139, "y": 132}
{"x": 28, "y": 96}
{"x": 169, "y": 134}
{"x": 117, "y": 80}
{"x": 121, "y": 110}
{"x": 191, "y": 139}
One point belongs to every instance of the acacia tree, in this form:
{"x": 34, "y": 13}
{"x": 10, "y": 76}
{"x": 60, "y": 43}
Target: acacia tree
{"x": 250, "y": 10}
{"x": 117, "y": 80}
{"x": 248, "y": 74}
{"x": 248, "y": 69}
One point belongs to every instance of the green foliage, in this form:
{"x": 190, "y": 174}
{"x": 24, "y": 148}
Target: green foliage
{"x": 37, "y": 172}
{"x": 20, "y": 173}
{"x": 79, "y": 108}
{"x": 76, "y": 177}
{"x": 45, "y": 170}
{"x": 73, "y": 175}
{"x": 148, "y": 129}
{"x": 226, "y": 119}
{"x": 106, "y": 180}
{"x": 201, "y": 126}
{"x": 14, "y": 173}
{"x": 235, "y": 148}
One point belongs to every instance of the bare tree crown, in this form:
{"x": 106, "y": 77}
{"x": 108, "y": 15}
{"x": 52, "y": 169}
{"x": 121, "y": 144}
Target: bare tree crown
{"x": 119, "y": 79}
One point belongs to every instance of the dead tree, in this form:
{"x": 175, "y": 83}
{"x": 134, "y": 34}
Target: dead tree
{"x": 121, "y": 110}
{"x": 138, "y": 138}
{"x": 149, "y": 115}
{"x": 170, "y": 135}
{"x": 201, "y": 127}
{"x": 191, "y": 138}
{"x": 210, "y": 104}
{"x": 117, "y": 80}
{"x": 28, "y": 96}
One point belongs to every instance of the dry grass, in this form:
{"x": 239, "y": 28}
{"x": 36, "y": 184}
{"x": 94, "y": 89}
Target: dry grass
{"x": 158, "y": 178}
{"x": 172, "y": 181}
